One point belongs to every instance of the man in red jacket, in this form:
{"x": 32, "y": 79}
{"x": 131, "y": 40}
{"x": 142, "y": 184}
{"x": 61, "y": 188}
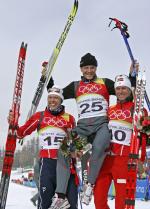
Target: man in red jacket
{"x": 52, "y": 125}
{"x": 115, "y": 164}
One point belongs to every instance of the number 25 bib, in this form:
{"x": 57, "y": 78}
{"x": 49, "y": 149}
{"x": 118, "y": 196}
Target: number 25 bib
{"x": 92, "y": 99}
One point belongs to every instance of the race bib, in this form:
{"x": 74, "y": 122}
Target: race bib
{"x": 50, "y": 137}
{"x": 121, "y": 132}
{"x": 91, "y": 105}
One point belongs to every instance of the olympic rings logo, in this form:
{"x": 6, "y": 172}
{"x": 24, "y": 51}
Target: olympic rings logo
{"x": 90, "y": 88}
{"x": 119, "y": 114}
{"x": 53, "y": 122}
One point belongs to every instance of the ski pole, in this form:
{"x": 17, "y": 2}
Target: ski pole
{"x": 80, "y": 200}
{"x": 124, "y": 32}
{"x": 78, "y": 170}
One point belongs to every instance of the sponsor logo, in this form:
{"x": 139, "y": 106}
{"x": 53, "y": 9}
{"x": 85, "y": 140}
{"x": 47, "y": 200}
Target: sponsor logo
{"x": 43, "y": 189}
{"x": 140, "y": 189}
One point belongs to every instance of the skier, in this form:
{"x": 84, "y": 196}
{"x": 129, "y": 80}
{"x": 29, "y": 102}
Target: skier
{"x": 92, "y": 97}
{"x": 115, "y": 164}
{"x": 52, "y": 125}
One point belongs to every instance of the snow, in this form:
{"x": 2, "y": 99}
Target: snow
{"x": 19, "y": 197}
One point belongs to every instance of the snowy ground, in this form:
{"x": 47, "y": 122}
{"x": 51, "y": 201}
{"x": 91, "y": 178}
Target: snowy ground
{"x": 19, "y": 198}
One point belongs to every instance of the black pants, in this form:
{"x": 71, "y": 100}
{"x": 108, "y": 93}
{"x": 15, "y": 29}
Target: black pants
{"x": 47, "y": 185}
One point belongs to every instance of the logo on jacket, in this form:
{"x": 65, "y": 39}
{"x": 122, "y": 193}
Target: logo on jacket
{"x": 119, "y": 114}
{"x": 90, "y": 88}
{"x": 60, "y": 122}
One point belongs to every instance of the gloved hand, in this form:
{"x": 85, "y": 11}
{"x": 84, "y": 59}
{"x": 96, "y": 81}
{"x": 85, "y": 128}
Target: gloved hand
{"x": 44, "y": 71}
{"x": 44, "y": 68}
{"x": 134, "y": 67}
{"x": 10, "y": 117}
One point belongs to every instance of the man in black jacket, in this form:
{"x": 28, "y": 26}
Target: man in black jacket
{"x": 92, "y": 97}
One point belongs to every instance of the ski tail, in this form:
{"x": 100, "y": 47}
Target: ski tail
{"x": 44, "y": 81}
{"x": 11, "y": 137}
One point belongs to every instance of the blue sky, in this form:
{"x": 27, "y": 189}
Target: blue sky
{"x": 40, "y": 23}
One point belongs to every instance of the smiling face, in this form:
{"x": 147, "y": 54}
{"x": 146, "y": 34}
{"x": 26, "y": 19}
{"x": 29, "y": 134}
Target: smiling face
{"x": 122, "y": 92}
{"x": 53, "y": 101}
{"x": 88, "y": 71}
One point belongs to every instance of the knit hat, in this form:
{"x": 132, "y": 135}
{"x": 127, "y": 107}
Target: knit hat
{"x": 88, "y": 59}
{"x": 56, "y": 90}
{"x": 122, "y": 80}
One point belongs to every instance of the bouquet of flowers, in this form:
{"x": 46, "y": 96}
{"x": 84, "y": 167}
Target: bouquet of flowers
{"x": 145, "y": 123}
{"x": 72, "y": 143}
{"x": 145, "y": 128}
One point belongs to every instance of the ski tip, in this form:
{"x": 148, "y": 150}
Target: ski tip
{"x": 26, "y": 46}
{"x": 23, "y": 45}
{"x": 76, "y": 3}
{"x": 74, "y": 8}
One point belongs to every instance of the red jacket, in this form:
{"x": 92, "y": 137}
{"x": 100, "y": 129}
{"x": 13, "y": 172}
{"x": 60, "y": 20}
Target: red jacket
{"x": 52, "y": 131}
{"x": 120, "y": 124}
